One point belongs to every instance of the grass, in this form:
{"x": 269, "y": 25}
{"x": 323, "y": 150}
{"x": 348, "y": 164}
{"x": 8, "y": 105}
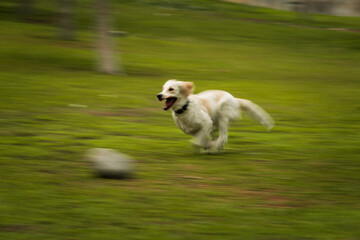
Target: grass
{"x": 300, "y": 181}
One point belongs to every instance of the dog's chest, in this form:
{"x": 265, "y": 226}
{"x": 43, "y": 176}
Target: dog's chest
{"x": 189, "y": 122}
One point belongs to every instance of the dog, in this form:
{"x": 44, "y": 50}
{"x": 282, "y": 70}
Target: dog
{"x": 200, "y": 115}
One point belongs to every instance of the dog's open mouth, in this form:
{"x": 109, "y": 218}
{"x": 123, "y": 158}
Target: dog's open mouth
{"x": 169, "y": 102}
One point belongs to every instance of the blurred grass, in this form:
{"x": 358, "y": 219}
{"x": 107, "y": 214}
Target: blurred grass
{"x": 300, "y": 181}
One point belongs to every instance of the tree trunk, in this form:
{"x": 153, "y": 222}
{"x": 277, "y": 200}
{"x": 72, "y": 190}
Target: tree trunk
{"x": 66, "y": 19}
{"x": 105, "y": 48}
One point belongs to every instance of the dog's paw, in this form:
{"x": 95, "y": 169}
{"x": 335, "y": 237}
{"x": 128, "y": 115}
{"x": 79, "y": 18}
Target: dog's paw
{"x": 212, "y": 151}
{"x": 202, "y": 145}
{"x": 216, "y": 145}
{"x": 195, "y": 144}
{"x": 210, "y": 147}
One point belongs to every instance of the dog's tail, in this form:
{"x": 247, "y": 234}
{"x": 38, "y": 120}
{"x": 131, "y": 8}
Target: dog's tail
{"x": 257, "y": 113}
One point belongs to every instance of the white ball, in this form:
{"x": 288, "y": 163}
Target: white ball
{"x": 109, "y": 163}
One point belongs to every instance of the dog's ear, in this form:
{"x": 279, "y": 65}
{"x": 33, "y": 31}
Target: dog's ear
{"x": 187, "y": 88}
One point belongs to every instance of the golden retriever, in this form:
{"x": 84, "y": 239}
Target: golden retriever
{"x": 201, "y": 114}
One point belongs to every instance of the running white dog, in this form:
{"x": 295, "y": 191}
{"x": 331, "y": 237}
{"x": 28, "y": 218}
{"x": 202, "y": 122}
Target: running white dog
{"x": 203, "y": 113}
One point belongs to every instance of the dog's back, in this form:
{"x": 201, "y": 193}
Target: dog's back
{"x": 219, "y": 104}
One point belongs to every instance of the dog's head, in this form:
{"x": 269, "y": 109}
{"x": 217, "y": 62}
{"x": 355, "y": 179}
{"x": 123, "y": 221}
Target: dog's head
{"x": 174, "y": 91}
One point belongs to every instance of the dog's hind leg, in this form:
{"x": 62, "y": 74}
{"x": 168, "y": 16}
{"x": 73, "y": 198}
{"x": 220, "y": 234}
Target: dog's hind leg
{"x": 223, "y": 133}
{"x": 228, "y": 111}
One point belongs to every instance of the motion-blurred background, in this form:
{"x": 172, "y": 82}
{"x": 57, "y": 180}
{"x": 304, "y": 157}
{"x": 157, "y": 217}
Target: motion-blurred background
{"x": 77, "y": 74}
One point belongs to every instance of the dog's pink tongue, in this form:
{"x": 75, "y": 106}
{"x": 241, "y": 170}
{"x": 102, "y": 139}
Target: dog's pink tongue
{"x": 165, "y": 107}
{"x": 168, "y": 104}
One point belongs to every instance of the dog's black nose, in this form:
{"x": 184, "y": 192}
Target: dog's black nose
{"x": 159, "y": 96}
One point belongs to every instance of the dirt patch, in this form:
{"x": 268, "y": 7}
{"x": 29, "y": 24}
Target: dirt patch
{"x": 17, "y": 228}
{"x": 263, "y": 198}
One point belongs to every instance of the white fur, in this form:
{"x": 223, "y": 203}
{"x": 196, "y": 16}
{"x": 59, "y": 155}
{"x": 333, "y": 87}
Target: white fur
{"x": 209, "y": 111}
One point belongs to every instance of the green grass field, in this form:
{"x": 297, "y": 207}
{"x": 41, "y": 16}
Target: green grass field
{"x": 299, "y": 181}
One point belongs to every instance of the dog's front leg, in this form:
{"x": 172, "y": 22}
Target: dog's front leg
{"x": 201, "y": 139}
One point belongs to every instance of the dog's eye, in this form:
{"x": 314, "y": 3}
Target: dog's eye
{"x": 171, "y": 89}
